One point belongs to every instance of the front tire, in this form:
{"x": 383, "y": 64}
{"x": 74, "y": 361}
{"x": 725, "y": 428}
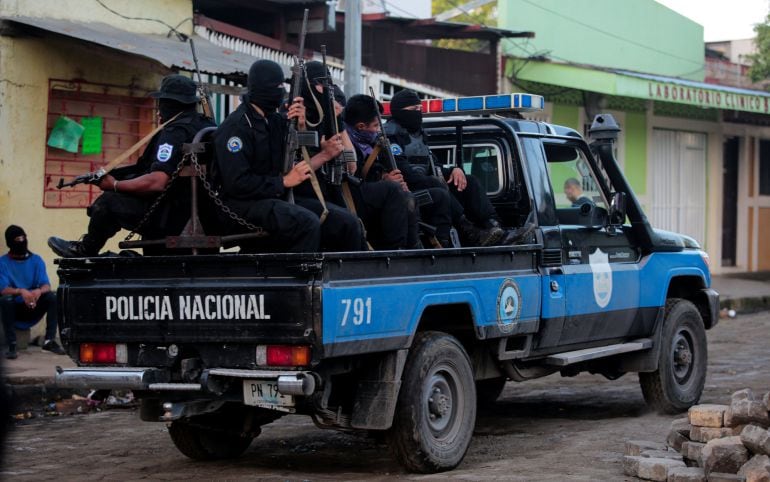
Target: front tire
{"x": 203, "y": 443}
{"x": 678, "y": 382}
{"x": 436, "y": 411}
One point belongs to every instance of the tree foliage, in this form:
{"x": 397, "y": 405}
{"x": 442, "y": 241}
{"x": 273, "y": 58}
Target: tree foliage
{"x": 485, "y": 15}
{"x": 760, "y": 62}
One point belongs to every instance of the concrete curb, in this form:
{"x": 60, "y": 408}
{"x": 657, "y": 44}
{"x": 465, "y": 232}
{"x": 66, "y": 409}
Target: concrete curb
{"x": 746, "y": 305}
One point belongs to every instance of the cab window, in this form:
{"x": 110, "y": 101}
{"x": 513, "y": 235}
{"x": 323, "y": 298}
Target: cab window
{"x": 484, "y": 161}
{"x": 573, "y": 182}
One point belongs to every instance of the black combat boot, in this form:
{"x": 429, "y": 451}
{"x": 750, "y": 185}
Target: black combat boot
{"x": 472, "y": 235}
{"x": 517, "y": 235}
{"x": 71, "y": 249}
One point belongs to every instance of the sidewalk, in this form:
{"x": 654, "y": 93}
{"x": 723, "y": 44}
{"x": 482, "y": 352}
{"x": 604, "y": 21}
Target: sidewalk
{"x": 745, "y": 292}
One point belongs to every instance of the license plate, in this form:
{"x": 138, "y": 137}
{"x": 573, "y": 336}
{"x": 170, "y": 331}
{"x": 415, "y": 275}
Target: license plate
{"x": 265, "y": 394}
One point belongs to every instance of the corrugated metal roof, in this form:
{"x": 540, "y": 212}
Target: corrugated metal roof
{"x": 169, "y": 51}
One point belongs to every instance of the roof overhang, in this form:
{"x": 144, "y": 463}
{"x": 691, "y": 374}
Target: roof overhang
{"x": 169, "y": 51}
{"x": 430, "y": 28}
{"x": 642, "y": 86}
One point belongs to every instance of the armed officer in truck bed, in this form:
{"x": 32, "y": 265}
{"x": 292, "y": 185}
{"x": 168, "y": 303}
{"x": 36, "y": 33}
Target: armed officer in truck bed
{"x": 130, "y": 191}
{"x": 472, "y": 213}
{"x": 382, "y": 206}
{"x": 249, "y": 148}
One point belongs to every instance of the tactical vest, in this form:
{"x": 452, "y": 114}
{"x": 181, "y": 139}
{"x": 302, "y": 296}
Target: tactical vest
{"x": 413, "y": 147}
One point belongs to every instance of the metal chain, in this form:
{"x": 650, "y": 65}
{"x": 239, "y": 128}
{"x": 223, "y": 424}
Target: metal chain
{"x": 157, "y": 201}
{"x": 214, "y": 197}
{"x": 193, "y": 157}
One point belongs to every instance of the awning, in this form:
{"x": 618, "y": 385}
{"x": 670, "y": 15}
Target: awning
{"x": 169, "y": 51}
{"x": 641, "y": 86}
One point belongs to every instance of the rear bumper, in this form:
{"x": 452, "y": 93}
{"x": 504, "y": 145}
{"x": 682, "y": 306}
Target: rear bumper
{"x": 154, "y": 379}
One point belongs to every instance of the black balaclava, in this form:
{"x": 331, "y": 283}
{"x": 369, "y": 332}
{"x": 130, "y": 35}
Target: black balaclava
{"x": 17, "y": 248}
{"x": 411, "y": 120}
{"x": 168, "y": 108}
{"x": 265, "y": 85}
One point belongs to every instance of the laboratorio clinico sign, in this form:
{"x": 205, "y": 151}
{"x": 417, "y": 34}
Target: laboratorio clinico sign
{"x": 697, "y": 96}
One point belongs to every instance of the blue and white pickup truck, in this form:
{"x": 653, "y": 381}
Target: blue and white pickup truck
{"x": 407, "y": 342}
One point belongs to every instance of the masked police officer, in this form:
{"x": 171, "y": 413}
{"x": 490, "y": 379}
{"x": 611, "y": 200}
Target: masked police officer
{"x": 248, "y": 166}
{"x": 472, "y": 212}
{"x": 362, "y": 125}
{"x": 129, "y": 192}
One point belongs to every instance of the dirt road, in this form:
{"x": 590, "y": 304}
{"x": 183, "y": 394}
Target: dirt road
{"x": 550, "y": 429}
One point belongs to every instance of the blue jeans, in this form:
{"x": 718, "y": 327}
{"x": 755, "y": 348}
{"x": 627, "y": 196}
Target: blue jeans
{"x": 18, "y": 315}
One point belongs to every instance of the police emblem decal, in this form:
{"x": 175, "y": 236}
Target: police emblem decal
{"x": 396, "y": 149}
{"x": 602, "y": 271}
{"x": 234, "y": 144}
{"x": 164, "y": 152}
{"x": 508, "y": 305}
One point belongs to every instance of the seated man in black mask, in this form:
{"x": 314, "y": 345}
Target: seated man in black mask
{"x": 382, "y": 206}
{"x": 472, "y": 213}
{"x": 363, "y": 127}
{"x": 248, "y": 170}
{"x": 129, "y": 191}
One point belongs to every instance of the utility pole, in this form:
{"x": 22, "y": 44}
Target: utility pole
{"x": 353, "y": 47}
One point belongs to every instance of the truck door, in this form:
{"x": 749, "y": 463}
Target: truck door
{"x": 600, "y": 264}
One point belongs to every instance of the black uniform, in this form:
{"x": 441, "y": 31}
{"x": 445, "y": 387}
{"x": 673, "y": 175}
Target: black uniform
{"x": 387, "y": 210}
{"x": 414, "y": 159}
{"x": 115, "y": 210}
{"x": 247, "y": 169}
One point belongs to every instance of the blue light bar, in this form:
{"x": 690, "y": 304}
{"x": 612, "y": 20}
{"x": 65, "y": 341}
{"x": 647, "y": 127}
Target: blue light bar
{"x": 470, "y": 103}
{"x": 483, "y": 105}
{"x": 497, "y": 102}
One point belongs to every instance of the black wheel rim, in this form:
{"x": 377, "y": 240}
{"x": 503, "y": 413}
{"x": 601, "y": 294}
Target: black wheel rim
{"x": 682, "y": 356}
{"x": 442, "y": 403}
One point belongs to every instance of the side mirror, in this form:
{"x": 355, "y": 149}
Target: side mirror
{"x": 618, "y": 209}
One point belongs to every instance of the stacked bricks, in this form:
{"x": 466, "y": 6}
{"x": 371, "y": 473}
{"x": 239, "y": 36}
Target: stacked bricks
{"x": 714, "y": 443}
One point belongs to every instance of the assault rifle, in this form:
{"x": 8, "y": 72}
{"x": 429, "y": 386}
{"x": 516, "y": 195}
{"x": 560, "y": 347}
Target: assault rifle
{"x": 338, "y": 166}
{"x": 296, "y": 140}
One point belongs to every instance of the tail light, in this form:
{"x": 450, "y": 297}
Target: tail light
{"x": 283, "y": 355}
{"x": 103, "y": 353}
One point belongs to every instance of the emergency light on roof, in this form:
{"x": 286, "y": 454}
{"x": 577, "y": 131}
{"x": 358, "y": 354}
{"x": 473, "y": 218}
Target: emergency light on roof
{"x": 483, "y": 104}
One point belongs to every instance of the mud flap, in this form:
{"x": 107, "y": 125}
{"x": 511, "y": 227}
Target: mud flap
{"x": 377, "y": 393}
{"x": 647, "y": 360}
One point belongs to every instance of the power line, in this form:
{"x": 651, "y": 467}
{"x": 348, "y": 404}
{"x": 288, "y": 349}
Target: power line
{"x": 386, "y": 2}
{"x": 609, "y": 34}
{"x": 171, "y": 29}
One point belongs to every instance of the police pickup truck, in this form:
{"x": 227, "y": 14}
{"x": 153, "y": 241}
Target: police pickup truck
{"x": 407, "y": 343}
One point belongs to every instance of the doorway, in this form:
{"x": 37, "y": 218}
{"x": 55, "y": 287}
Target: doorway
{"x": 730, "y": 154}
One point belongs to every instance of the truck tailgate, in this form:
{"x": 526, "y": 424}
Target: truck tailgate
{"x": 188, "y": 299}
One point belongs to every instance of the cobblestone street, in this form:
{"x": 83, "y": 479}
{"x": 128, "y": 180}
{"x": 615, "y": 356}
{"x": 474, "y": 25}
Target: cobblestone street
{"x": 551, "y": 429}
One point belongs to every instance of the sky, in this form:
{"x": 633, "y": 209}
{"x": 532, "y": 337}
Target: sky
{"x": 722, "y": 20}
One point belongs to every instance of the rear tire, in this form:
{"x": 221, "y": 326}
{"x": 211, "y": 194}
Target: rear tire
{"x": 201, "y": 443}
{"x": 436, "y": 411}
{"x": 678, "y": 382}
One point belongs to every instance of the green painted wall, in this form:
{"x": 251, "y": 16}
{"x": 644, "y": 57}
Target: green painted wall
{"x": 566, "y": 115}
{"x": 640, "y": 35}
{"x": 635, "y": 168}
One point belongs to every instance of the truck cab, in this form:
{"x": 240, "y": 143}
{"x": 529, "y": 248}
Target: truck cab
{"x": 406, "y": 343}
